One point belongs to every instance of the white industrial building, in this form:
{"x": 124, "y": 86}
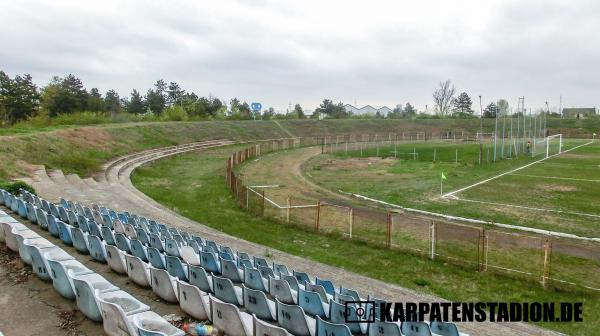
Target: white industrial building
{"x": 367, "y": 110}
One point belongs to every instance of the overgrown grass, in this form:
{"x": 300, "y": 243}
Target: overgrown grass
{"x": 200, "y": 194}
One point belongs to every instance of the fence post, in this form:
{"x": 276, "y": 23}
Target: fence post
{"x": 351, "y": 220}
{"x": 482, "y": 250}
{"x": 547, "y": 253}
{"x": 388, "y": 238}
{"x": 287, "y": 213}
{"x": 247, "y": 197}
{"x": 318, "y": 215}
{"x": 263, "y": 202}
{"x": 432, "y": 234}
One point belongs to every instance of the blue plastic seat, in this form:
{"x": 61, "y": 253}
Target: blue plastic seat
{"x": 138, "y": 249}
{"x": 280, "y": 270}
{"x": 328, "y": 285}
{"x": 259, "y": 261}
{"x": 62, "y": 214}
{"x": 176, "y": 268}
{"x": 415, "y": 329}
{"x": 157, "y": 242}
{"x": 243, "y": 256}
{"x": 210, "y": 262}
{"x": 379, "y": 328}
{"x": 31, "y": 213}
{"x": 142, "y": 236}
{"x": 123, "y": 243}
{"x": 199, "y": 278}
{"x": 82, "y": 223}
{"x": 266, "y": 272}
{"x": 350, "y": 292}
{"x": 301, "y": 277}
{"x": 312, "y": 304}
{"x": 254, "y": 280}
{"x": 198, "y": 240}
{"x": 257, "y": 303}
{"x": 64, "y": 232}
{"x": 319, "y": 290}
{"x": 108, "y": 236}
{"x": 95, "y": 229}
{"x": 293, "y": 319}
{"x": 340, "y": 313}
{"x": 244, "y": 263}
{"x": 325, "y": 328}
{"x": 156, "y": 258}
{"x": 80, "y": 240}
{"x": 230, "y": 270}
{"x": 21, "y": 208}
{"x": 281, "y": 290}
{"x": 97, "y": 248}
{"x": 225, "y": 291}
{"x": 444, "y": 328}
{"x": 52, "y": 225}
{"x": 179, "y": 239}
{"x": 194, "y": 244}
{"x": 53, "y": 210}
{"x": 62, "y": 273}
{"x": 107, "y": 221}
{"x": 72, "y": 217}
{"x": 213, "y": 245}
{"x": 41, "y": 218}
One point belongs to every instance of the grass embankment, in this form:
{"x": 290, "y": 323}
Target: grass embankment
{"x": 201, "y": 194}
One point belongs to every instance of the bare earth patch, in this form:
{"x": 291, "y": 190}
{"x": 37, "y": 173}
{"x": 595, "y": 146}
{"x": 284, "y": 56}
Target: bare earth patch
{"x": 556, "y": 187}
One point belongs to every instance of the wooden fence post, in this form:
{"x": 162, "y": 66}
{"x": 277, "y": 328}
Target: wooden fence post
{"x": 350, "y": 220}
{"x": 318, "y": 216}
{"x": 263, "y": 202}
{"x": 288, "y": 210}
{"x": 388, "y": 238}
{"x": 433, "y": 236}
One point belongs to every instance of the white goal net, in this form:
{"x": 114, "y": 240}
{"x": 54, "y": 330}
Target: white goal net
{"x": 548, "y": 146}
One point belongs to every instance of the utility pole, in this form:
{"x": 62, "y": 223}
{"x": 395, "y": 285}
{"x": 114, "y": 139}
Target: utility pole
{"x": 480, "y": 131}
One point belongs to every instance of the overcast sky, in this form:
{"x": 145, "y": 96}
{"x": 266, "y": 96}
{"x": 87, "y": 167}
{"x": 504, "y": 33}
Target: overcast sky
{"x": 280, "y": 52}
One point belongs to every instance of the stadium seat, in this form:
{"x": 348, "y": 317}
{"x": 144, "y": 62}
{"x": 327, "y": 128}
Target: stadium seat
{"x": 193, "y": 301}
{"x": 176, "y": 268}
{"x": 280, "y": 270}
{"x": 230, "y": 270}
{"x": 21, "y": 208}
{"x": 80, "y": 240}
{"x": 156, "y": 258}
{"x": 190, "y": 256}
{"x": 10, "y": 234}
{"x": 281, "y": 290}
{"x": 121, "y": 302}
{"x": 62, "y": 214}
{"x": 138, "y": 249}
{"x": 32, "y": 213}
{"x": 82, "y": 223}
{"x": 377, "y": 308}
{"x": 244, "y": 263}
{"x": 172, "y": 247}
{"x": 95, "y": 229}
{"x": 52, "y": 225}
{"x": 293, "y": 319}
{"x": 258, "y": 261}
{"x": 22, "y": 236}
{"x": 341, "y": 298}
{"x": 151, "y": 324}
{"x": 350, "y": 292}
{"x": 115, "y": 259}
{"x": 445, "y": 329}
{"x": 224, "y": 290}
{"x": 97, "y": 248}
{"x": 138, "y": 271}
{"x": 123, "y": 242}
{"x": 72, "y": 218}
{"x": 62, "y": 273}
{"x": 379, "y": 328}
{"x": 143, "y": 236}
{"x": 210, "y": 262}
{"x": 40, "y": 243}
{"x": 163, "y": 284}
{"x": 85, "y": 293}
{"x": 415, "y": 329}
{"x": 328, "y": 285}
{"x": 194, "y": 245}
{"x": 108, "y": 236}
{"x": 229, "y": 319}
{"x": 293, "y": 281}
{"x": 130, "y": 231}
{"x": 325, "y": 328}
{"x": 262, "y": 328}
{"x": 199, "y": 278}
{"x": 340, "y": 313}
{"x": 266, "y": 272}
{"x": 254, "y": 280}
{"x": 319, "y": 290}
{"x": 156, "y": 242}
{"x": 64, "y": 232}
{"x": 257, "y": 303}
{"x": 312, "y": 304}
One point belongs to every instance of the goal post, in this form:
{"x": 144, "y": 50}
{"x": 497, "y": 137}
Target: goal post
{"x": 553, "y": 145}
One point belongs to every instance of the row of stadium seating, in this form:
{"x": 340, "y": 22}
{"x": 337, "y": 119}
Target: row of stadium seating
{"x": 240, "y": 294}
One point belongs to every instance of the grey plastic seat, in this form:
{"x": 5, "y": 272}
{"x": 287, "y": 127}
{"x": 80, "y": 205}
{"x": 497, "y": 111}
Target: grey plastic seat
{"x": 95, "y": 229}
{"x": 130, "y": 231}
{"x": 62, "y": 273}
{"x": 415, "y": 329}
{"x": 319, "y": 290}
{"x": 262, "y": 328}
{"x": 340, "y": 313}
{"x": 257, "y": 303}
{"x": 280, "y": 270}
{"x": 163, "y": 284}
{"x": 31, "y": 213}
{"x": 137, "y": 270}
{"x": 143, "y": 236}
{"x": 156, "y": 242}
{"x": 230, "y": 270}
{"x": 85, "y": 293}
{"x": 116, "y": 259}
{"x": 244, "y": 263}
{"x": 281, "y": 290}
{"x": 380, "y": 328}
{"x": 225, "y": 291}
{"x": 266, "y": 272}
{"x": 254, "y": 280}
{"x": 193, "y": 301}
{"x": 445, "y": 329}
{"x": 259, "y": 261}
{"x": 350, "y": 292}
{"x": 312, "y": 304}
{"x": 229, "y": 319}
{"x": 293, "y": 319}
{"x": 190, "y": 256}
{"x": 10, "y": 227}
{"x": 199, "y": 278}
{"x": 80, "y": 240}
{"x": 19, "y": 236}
{"x": 97, "y": 248}
{"x": 325, "y": 328}
{"x": 40, "y": 259}
{"x": 341, "y": 298}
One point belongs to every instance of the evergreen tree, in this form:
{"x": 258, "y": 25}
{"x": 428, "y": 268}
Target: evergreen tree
{"x": 299, "y": 111}
{"x": 19, "y": 98}
{"x": 136, "y": 103}
{"x": 490, "y": 111}
{"x": 64, "y": 95}
{"x": 409, "y": 111}
{"x": 95, "y": 102}
{"x": 112, "y": 102}
{"x": 174, "y": 94}
{"x": 462, "y": 105}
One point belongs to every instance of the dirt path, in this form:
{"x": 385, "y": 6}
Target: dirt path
{"x": 113, "y": 188}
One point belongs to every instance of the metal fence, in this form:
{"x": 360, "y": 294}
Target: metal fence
{"x": 545, "y": 259}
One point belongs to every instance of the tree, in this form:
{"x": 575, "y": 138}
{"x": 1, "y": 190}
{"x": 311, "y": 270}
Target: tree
{"x": 396, "y": 112}
{"x": 443, "y": 97}
{"x": 155, "y": 98}
{"x": 409, "y": 111}
{"x": 95, "y": 102}
{"x": 490, "y": 111}
{"x": 112, "y": 102}
{"x": 503, "y": 107}
{"x": 268, "y": 114}
{"x": 174, "y": 94}
{"x": 64, "y": 95}
{"x": 245, "y": 111}
{"x": 332, "y": 110}
{"x": 19, "y": 98}
{"x": 462, "y": 105}
{"x": 136, "y": 103}
{"x": 299, "y": 111}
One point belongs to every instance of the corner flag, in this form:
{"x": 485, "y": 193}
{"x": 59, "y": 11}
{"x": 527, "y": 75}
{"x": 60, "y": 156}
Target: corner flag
{"x": 443, "y": 176}
{"x": 442, "y": 184}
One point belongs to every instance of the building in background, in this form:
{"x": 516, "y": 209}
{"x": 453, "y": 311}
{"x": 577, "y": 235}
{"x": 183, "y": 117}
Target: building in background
{"x": 579, "y": 112}
{"x": 368, "y": 110}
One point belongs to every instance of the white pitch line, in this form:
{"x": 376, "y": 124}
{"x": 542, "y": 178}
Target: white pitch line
{"x": 528, "y": 208}
{"x": 512, "y": 171}
{"x": 557, "y": 178}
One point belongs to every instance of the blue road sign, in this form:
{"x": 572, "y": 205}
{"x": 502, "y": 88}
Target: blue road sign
{"x": 256, "y": 106}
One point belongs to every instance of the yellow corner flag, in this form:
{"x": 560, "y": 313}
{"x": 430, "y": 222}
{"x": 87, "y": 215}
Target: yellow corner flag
{"x": 443, "y": 176}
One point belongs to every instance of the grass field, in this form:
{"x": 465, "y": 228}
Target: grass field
{"x": 201, "y": 194}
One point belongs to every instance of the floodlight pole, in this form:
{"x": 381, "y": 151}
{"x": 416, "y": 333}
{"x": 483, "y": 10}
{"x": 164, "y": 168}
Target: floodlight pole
{"x": 480, "y": 131}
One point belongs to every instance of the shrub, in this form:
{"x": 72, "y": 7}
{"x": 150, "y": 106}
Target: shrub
{"x": 175, "y": 113}
{"x": 81, "y": 118}
{"x": 14, "y": 187}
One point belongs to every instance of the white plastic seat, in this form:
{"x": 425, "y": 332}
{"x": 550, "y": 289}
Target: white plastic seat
{"x": 293, "y": 319}
{"x": 189, "y": 255}
{"x": 200, "y": 278}
{"x": 85, "y": 294}
{"x": 40, "y": 260}
{"x": 116, "y": 259}
{"x": 193, "y": 301}
{"x": 40, "y": 243}
{"x": 137, "y": 270}
{"x": 18, "y": 236}
{"x": 262, "y": 328}
{"x": 129, "y": 231}
{"x": 383, "y": 328}
{"x": 257, "y": 303}
{"x": 6, "y": 226}
{"x": 151, "y": 324}
{"x": 164, "y": 285}
{"x": 281, "y": 290}
{"x": 62, "y": 273}
{"x": 230, "y": 270}
{"x": 224, "y": 290}
{"x": 229, "y": 319}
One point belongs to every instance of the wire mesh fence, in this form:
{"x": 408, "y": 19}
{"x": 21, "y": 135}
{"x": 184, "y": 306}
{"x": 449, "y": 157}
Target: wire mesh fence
{"x": 548, "y": 260}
